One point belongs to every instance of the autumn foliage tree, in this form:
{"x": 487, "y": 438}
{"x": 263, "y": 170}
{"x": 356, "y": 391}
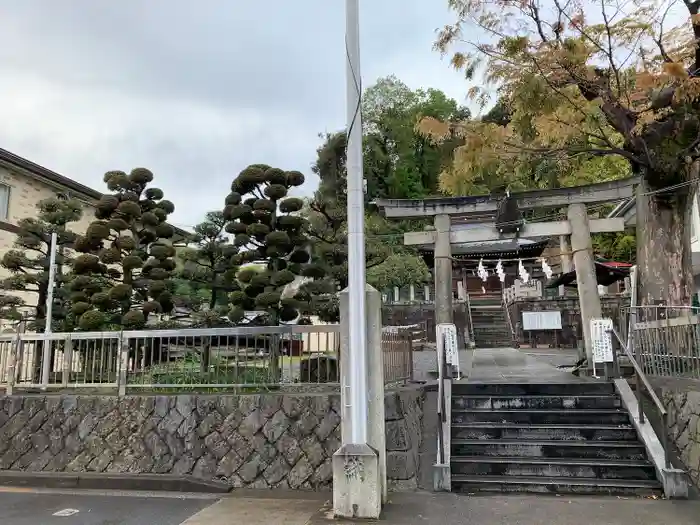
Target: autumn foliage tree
{"x": 589, "y": 83}
{"x": 126, "y": 256}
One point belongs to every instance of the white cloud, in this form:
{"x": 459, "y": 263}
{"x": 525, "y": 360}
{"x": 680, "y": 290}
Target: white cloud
{"x": 196, "y": 92}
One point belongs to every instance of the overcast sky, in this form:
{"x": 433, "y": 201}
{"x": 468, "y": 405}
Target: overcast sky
{"x": 196, "y": 90}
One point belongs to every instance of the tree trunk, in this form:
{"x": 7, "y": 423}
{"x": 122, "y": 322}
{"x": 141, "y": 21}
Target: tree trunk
{"x": 664, "y": 256}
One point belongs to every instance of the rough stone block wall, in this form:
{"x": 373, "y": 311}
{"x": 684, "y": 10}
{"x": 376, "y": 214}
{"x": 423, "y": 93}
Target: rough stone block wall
{"x": 684, "y": 428}
{"x": 404, "y": 437}
{"x": 254, "y": 441}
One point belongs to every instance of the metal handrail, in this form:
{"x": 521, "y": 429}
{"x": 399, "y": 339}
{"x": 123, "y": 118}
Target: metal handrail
{"x": 642, "y": 379}
{"x": 510, "y": 321}
{"x": 469, "y": 317}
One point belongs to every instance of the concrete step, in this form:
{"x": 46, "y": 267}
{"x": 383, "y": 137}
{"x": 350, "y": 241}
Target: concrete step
{"x": 545, "y": 432}
{"x": 629, "y": 450}
{"x": 535, "y": 401}
{"x": 554, "y": 467}
{"x": 542, "y": 417}
{"x": 481, "y": 342}
{"x": 501, "y": 343}
{"x": 574, "y": 388}
{"x": 492, "y": 329}
{"x": 473, "y": 484}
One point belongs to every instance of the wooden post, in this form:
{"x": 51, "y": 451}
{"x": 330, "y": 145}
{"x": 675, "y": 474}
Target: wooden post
{"x": 586, "y": 281}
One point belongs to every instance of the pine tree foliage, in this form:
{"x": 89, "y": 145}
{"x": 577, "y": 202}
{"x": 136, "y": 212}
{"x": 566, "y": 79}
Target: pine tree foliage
{"x": 268, "y": 228}
{"x": 126, "y": 260}
{"x": 206, "y": 262}
{"x": 28, "y": 264}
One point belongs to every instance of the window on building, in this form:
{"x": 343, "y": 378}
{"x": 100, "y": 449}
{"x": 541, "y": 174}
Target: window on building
{"x": 4, "y": 202}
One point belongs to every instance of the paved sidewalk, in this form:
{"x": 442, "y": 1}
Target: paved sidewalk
{"x": 423, "y": 508}
{"x": 27, "y": 506}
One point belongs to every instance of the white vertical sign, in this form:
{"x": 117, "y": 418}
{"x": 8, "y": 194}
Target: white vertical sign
{"x": 446, "y": 338}
{"x": 602, "y": 341}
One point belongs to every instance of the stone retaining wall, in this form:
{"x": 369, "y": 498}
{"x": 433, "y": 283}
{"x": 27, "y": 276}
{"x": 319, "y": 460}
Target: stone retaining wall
{"x": 255, "y": 441}
{"x": 684, "y": 427}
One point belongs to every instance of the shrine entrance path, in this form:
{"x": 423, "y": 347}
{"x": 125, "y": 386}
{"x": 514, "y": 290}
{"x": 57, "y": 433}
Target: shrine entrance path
{"x": 511, "y": 365}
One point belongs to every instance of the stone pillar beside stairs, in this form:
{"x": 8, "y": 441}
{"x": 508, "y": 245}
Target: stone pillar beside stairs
{"x": 359, "y": 469}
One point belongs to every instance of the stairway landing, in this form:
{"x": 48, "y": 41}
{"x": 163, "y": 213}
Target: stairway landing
{"x": 510, "y": 365}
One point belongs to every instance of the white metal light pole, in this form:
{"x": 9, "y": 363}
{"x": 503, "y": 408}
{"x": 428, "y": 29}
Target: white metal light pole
{"x": 52, "y": 278}
{"x": 356, "y": 230}
{"x": 46, "y": 352}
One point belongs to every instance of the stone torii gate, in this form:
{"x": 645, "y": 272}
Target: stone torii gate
{"x": 575, "y": 232}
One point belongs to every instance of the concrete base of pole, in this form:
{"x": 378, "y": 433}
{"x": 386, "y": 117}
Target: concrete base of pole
{"x": 357, "y": 490}
{"x": 442, "y": 478}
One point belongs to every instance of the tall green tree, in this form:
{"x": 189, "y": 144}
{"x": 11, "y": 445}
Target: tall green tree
{"x": 388, "y": 262}
{"x": 28, "y": 264}
{"x": 124, "y": 269}
{"x": 206, "y": 262}
{"x": 268, "y": 229}
{"x": 399, "y": 161}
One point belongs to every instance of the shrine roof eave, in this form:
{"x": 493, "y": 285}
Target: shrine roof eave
{"x": 527, "y": 200}
{"x": 492, "y": 249}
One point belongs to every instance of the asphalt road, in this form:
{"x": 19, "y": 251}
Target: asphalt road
{"x": 36, "y": 507}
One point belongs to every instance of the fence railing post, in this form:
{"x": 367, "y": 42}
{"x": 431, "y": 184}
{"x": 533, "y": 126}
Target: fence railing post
{"x": 67, "y": 361}
{"x": 123, "y": 357}
{"x": 12, "y": 364}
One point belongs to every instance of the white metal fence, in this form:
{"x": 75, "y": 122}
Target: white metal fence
{"x": 214, "y": 359}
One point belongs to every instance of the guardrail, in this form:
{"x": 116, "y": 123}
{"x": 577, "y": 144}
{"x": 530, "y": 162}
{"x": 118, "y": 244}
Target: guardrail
{"x": 210, "y": 359}
{"x": 667, "y": 340}
{"x": 158, "y": 360}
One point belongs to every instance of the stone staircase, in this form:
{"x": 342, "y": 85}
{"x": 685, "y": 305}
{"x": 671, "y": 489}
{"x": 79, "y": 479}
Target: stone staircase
{"x": 491, "y": 329}
{"x": 546, "y": 438}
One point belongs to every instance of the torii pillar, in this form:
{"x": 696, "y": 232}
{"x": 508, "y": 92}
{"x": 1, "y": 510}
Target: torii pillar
{"x": 586, "y": 282}
{"x": 443, "y": 270}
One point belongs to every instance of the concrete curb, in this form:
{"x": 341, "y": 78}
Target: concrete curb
{"x": 675, "y": 481}
{"x": 102, "y": 481}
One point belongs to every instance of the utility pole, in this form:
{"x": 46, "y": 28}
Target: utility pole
{"x": 356, "y": 230}
{"x": 46, "y": 351}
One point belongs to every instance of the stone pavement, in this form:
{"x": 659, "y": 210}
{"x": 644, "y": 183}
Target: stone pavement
{"x": 493, "y": 364}
{"x": 511, "y": 365}
{"x": 414, "y": 508}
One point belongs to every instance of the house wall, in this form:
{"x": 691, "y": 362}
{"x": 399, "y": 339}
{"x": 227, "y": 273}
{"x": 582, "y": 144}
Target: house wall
{"x": 25, "y": 194}
{"x": 695, "y": 241}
